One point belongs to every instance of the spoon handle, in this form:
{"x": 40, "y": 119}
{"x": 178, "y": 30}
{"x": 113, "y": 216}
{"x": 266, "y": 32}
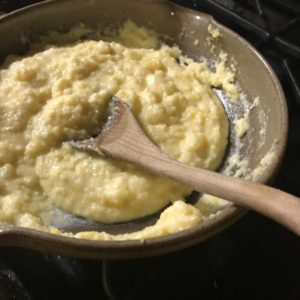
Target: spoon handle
{"x": 128, "y": 142}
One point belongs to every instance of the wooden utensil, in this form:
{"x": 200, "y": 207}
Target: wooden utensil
{"x": 123, "y": 138}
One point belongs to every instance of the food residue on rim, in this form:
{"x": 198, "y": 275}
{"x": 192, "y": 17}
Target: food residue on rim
{"x": 213, "y": 31}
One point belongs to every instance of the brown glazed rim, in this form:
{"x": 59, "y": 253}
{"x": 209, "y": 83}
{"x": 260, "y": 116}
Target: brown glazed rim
{"x": 80, "y": 248}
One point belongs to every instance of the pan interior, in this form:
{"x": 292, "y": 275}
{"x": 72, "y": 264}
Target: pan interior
{"x": 68, "y": 222}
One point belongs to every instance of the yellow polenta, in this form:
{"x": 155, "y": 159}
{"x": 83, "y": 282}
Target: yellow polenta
{"x": 61, "y": 93}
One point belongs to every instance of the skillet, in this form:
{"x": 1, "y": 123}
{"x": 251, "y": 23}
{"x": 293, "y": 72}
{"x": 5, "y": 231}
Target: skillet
{"x": 182, "y": 26}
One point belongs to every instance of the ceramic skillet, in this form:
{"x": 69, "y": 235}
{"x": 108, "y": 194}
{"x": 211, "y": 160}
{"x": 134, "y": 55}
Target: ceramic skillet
{"x": 183, "y": 27}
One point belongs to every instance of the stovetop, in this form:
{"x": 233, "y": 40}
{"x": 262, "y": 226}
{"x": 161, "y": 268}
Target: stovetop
{"x": 253, "y": 259}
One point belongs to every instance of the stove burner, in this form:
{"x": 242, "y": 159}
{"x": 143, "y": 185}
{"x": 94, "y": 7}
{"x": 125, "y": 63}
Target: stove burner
{"x": 255, "y": 259}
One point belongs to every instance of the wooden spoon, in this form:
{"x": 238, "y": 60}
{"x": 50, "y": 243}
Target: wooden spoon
{"x": 123, "y": 138}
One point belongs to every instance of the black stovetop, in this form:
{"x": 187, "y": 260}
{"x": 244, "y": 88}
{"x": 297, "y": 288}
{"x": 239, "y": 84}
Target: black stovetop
{"x": 253, "y": 259}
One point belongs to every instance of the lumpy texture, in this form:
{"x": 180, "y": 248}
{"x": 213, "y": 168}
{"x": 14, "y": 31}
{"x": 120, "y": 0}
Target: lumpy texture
{"x": 61, "y": 93}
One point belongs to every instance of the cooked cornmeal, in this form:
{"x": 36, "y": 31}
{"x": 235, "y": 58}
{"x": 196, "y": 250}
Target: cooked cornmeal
{"x": 61, "y": 93}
